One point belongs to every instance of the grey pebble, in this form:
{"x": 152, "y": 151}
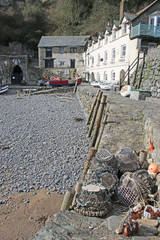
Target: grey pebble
{"x": 49, "y": 148}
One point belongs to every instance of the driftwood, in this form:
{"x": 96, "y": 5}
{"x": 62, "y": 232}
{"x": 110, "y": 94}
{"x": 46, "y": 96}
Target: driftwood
{"x": 94, "y": 114}
{"x": 93, "y": 106}
{"x": 98, "y": 120}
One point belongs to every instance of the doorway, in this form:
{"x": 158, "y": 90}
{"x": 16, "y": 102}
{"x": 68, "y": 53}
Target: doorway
{"x": 17, "y": 75}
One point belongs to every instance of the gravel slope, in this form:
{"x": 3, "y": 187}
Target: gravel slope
{"x": 43, "y": 142}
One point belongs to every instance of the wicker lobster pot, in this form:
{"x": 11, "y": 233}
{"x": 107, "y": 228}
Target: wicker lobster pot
{"x": 104, "y": 159}
{"x": 93, "y": 201}
{"x": 135, "y": 187}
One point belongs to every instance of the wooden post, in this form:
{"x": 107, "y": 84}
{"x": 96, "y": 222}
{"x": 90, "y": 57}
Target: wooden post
{"x": 68, "y": 198}
{"x": 142, "y": 156}
{"x": 75, "y": 88}
{"x": 92, "y": 107}
{"x": 134, "y": 81}
{"x": 98, "y": 120}
{"x": 77, "y": 190}
{"x": 101, "y": 131}
{"x": 129, "y": 75}
{"x": 91, "y": 154}
{"x": 141, "y": 73}
{"x": 94, "y": 114}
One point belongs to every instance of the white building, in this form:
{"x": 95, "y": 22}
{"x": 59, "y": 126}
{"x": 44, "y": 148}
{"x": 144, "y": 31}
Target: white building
{"x": 108, "y": 56}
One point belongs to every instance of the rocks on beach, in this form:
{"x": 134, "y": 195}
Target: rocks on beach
{"x": 46, "y": 146}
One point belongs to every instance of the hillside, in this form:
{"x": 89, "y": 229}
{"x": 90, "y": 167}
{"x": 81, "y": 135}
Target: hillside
{"x": 26, "y": 21}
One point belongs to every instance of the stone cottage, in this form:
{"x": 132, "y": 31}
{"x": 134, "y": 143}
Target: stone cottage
{"x": 62, "y": 55}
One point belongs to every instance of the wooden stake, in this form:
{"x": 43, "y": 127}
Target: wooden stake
{"x": 101, "y": 131}
{"x": 75, "y": 88}
{"x": 98, "y": 120}
{"x": 68, "y": 198}
{"x": 77, "y": 190}
{"x": 92, "y": 107}
{"x": 94, "y": 114}
{"x": 91, "y": 154}
{"x": 143, "y": 156}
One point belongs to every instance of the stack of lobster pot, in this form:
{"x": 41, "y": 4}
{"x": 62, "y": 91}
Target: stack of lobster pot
{"x": 101, "y": 182}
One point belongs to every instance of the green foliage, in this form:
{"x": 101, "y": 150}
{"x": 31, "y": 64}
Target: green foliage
{"x": 60, "y": 17}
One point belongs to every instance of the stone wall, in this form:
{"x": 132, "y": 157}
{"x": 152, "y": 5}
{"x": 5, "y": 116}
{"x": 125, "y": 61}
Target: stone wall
{"x": 131, "y": 123}
{"x": 151, "y": 73}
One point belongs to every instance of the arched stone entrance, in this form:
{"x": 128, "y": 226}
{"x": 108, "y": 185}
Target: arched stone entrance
{"x": 17, "y": 75}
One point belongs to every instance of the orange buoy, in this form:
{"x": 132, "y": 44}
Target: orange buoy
{"x": 153, "y": 168}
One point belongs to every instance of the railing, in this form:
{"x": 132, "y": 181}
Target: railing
{"x": 135, "y": 63}
{"x": 145, "y": 30}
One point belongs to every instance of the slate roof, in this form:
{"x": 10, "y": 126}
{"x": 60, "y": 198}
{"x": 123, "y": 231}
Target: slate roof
{"x": 58, "y": 41}
{"x": 129, "y": 16}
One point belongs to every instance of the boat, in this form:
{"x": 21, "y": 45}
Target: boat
{"x": 3, "y": 89}
{"x": 126, "y": 91}
{"x": 106, "y": 85}
{"x": 57, "y": 82}
{"x": 95, "y": 83}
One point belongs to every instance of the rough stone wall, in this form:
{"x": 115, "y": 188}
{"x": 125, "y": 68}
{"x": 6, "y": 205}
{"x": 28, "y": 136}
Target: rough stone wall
{"x": 151, "y": 73}
{"x": 7, "y": 64}
{"x": 131, "y": 123}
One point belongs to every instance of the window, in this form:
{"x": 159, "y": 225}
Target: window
{"x": 124, "y": 29}
{"x": 105, "y": 76}
{"x": 49, "y": 63}
{"x": 152, "y": 21}
{"x": 113, "y": 54}
{"x": 98, "y": 76}
{"x": 106, "y": 56}
{"x": 113, "y": 34}
{"x": 61, "y": 63}
{"x": 158, "y": 21}
{"x": 61, "y": 50}
{"x": 48, "y": 52}
{"x": 99, "y": 58}
{"x": 73, "y": 50}
{"x": 113, "y": 75}
{"x": 92, "y": 60}
{"x": 123, "y": 51}
{"x": 72, "y": 63}
{"x": 106, "y": 39}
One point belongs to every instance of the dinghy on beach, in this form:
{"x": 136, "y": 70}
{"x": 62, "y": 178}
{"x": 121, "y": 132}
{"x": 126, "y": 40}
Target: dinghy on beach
{"x": 3, "y": 89}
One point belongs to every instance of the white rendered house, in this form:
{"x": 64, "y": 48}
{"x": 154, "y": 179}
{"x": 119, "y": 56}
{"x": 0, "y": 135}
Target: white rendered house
{"x": 108, "y": 56}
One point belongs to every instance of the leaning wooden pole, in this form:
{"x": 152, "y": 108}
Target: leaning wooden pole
{"x": 91, "y": 154}
{"x": 93, "y": 106}
{"x": 101, "y": 131}
{"x": 94, "y": 114}
{"x": 75, "y": 88}
{"x": 98, "y": 120}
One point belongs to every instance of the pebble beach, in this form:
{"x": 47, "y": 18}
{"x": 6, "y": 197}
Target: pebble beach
{"x": 43, "y": 141}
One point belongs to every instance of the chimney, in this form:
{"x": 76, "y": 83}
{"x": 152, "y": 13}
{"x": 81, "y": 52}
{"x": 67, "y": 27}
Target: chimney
{"x": 121, "y": 9}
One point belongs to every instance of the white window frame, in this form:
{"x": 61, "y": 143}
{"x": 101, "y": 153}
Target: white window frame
{"x": 99, "y": 59}
{"x": 123, "y": 51}
{"x": 114, "y": 34}
{"x": 105, "y": 76}
{"x": 106, "y": 39}
{"x": 113, "y": 54}
{"x": 113, "y": 75}
{"x": 98, "y": 76}
{"x": 124, "y": 29}
{"x": 106, "y": 56}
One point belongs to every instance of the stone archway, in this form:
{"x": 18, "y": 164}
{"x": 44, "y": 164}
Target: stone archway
{"x": 17, "y": 75}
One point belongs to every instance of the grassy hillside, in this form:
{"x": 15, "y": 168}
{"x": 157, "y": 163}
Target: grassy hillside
{"x": 27, "y": 20}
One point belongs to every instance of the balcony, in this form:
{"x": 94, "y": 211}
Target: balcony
{"x": 145, "y": 30}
